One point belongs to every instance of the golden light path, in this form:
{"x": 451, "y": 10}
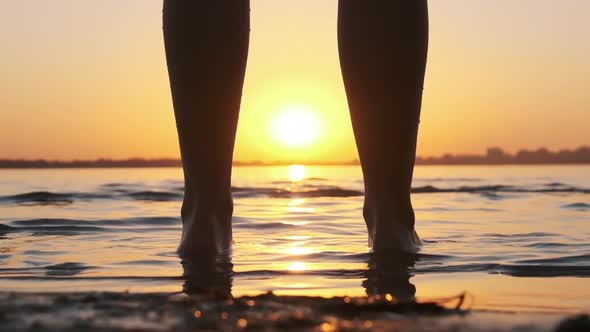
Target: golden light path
{"x": 296, "y": 173}
{"x": 298, "y": 245}
{"x": 296, "y": 126}
{"x": 297, "y": 267}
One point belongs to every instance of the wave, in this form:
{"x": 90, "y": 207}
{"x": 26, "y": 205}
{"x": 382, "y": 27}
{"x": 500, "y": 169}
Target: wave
{"x": 146, "y": 221}
{"x": 519, "y": 235}
{"x": 48, "y": 226}
{"x": 55, "y": 198}
{"x": 544, "y": 245}
{"x": 158, "y": 196}
{"x": 548, "y": 271}
{"x": 48, "y": 198}
{"x": 116, "y": 191}
{"x": 501, "y": 189}
{"x": 67, "y": 269}
{"x": 52, "y": 230}
{"x": 75, "y": 271}
{"x": 515, "y": 270}
{"x": 559, "y": 260}
{"x": 304, "y": 192}
{"x": 449, "y": 179}
{"x": 577, "y": 206}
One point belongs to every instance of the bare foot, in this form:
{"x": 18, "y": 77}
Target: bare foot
{"x": 391, "y": 230}
{"x": 206, "y": 227}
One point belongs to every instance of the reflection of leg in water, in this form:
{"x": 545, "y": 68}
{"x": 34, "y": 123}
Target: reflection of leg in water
{"x": 208, "y": 275}
{"x": 389, "y": 274}
{"x": 383, "y": 47}
{"x": 206, "y": 49}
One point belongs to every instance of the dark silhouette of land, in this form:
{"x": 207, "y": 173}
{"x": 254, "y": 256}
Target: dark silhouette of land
{"x": 493, "y": 156}
{"x": 497, "y": 156}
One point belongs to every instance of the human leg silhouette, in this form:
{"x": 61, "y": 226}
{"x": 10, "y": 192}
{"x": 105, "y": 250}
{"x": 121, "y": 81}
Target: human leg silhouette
{"x": 383, "y": 48}
{"x": 206, "y": 50}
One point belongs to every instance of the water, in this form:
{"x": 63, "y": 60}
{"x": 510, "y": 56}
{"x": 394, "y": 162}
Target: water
{"x": 514, "y": 237}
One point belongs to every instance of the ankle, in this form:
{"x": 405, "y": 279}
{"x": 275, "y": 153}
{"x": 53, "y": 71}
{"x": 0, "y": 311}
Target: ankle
{"x": 207, "y": 227}
{"x": 391, "y": 228}
{"x": 207, "y": 206}
{"x": 390, "y": 211}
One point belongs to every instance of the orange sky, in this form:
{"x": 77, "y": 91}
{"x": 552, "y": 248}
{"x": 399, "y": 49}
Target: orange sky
{"x": 86, "y": 79}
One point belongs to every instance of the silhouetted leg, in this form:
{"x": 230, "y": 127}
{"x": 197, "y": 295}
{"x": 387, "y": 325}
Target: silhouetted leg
{"x": 206, "y": 49}
{"x": 383, "y": 46}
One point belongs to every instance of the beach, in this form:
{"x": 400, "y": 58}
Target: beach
{"x": 178, "y": 312}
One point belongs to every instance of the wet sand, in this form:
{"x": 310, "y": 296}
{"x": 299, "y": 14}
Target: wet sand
{"x": 180, "y": 312}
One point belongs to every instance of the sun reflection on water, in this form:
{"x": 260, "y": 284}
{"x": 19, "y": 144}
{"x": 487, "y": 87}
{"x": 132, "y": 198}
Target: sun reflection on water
{"x": 296, "y": 172}
{"x": 297, "y": 267}
{"x": 298, "y": 206}
{"x": 297, "y": 251}
{"x": 295, "y": 223}
{"x": 299, "y": 237}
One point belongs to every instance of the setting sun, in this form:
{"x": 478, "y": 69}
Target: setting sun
{"x": 296, "y": 126}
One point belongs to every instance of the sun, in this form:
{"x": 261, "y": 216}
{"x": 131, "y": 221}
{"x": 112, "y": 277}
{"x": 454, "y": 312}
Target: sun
{"x": 296, "y": 126}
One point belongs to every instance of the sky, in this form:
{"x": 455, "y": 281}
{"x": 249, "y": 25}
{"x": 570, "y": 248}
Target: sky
{"x": 87, "y": 79}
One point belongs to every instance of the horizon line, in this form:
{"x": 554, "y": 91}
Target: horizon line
{"x": 493, "y": 156}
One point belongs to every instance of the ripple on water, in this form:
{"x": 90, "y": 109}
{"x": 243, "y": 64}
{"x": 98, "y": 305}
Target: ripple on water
{"x": 577, "y": 206}
{"x": 132, "y": 225}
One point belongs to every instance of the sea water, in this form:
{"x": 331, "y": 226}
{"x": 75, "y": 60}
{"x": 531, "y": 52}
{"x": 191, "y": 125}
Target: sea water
{"x": 512, "y": 237}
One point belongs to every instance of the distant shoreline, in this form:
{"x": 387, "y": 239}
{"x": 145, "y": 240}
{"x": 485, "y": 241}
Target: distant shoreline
{"x": 156, "y": 165}
{"x": 493, "y": 157}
